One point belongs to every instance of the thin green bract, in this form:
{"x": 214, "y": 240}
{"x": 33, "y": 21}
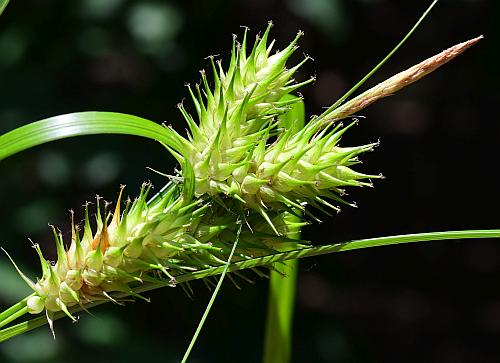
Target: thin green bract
{"x": 23, "y": 327}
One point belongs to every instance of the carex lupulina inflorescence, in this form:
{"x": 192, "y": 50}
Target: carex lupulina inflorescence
{"x": 244, "y": 164}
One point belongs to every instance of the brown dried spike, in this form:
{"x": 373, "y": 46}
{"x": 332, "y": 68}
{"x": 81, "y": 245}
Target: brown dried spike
{"x": 397, "y": 82}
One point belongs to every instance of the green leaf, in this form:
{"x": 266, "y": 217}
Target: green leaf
{"x": 212, "y": 299}
{"x": 25, "y": 326}
{"x": 3, "y": 4}
{"x": 85, "y": 123}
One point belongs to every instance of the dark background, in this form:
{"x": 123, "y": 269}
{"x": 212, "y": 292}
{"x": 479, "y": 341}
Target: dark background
{"x": 438, "y": 302}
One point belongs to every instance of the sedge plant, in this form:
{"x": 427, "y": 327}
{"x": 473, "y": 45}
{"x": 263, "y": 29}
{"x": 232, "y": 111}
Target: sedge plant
{"x": 251, "y": 174}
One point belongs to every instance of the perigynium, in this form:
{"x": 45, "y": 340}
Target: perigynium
{"x": 243, "y": 165}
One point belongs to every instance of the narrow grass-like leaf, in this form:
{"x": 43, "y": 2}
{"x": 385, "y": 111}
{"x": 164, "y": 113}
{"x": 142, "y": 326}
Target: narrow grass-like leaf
{"x": 14, "y": 316}
{"x": 13, "y": 309}
{"x": 212, "y": 299}
{"x": 85, "y": 123}
{"x": 23, "y": 327}
{"x": 3, "y": 5}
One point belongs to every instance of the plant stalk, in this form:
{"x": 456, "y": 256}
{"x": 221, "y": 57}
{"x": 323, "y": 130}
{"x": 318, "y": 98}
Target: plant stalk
{"x": 280, "y": 309}
{"x": 283, "y": 280}
{"x": 14, "y": 315}
{"x": 13, "y": 309}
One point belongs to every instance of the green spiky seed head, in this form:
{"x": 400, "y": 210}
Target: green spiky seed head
{"x": 245, "y": 163}
{"x": 151, "y": 241}
{"x": 244, "y": 158}
{"x": 241, "y": 148}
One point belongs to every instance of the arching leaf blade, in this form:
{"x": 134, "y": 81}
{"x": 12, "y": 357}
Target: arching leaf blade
{"x": 3, "y": 5}
{"x": 85, "y": 123}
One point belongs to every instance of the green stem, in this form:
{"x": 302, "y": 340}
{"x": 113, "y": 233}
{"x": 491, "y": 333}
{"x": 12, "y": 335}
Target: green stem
{"x": 212, "y": 299}
{"x": 13, "y": 309}
{"x": 268, "y": 260}
{"x": 280, "y": 308}
{"x": 283, "y": 279}
{"x": 14, "y": 316}
{"x": 23, "y": 327}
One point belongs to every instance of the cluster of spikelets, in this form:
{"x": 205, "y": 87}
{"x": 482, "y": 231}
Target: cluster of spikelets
{"x": 230, "y": 149}
{"x": 150, "y": 241}
{"x": 244, "y": 165}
